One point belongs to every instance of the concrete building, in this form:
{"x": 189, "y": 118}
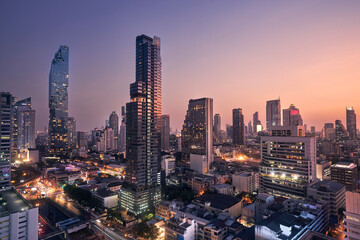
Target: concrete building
{"x": 352, "y": 216}
{"x": 223, "y": 188}
{"x": 351, "y": 122}
{"x": 345, "y": 172}
{"x": 6, "y": 101}
{"x": 238, "y": 127}
{"x": 329, "y": 193}
{"x": 71, "y": 132}
{"x": 288, "y": 163}
{"x": 292, "y": 117}
{"x": 180, "y": 228}
{"x": 168, "y": 164}
{"x": 18, "y": 219}
{"x": 165, "y": 133}
{"x": 107, "y": 198}
{"x": 246, "y": 181}
{"x": 323, "y": 170}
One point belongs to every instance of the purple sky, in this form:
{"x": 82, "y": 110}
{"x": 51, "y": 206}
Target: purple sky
{"x": 241, "y": 53}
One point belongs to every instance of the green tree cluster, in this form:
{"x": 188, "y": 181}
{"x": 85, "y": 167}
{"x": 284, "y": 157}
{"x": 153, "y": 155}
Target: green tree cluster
{"x": 82, "y": 196}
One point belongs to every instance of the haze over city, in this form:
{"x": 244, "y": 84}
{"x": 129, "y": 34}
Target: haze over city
{"x": 240, "y": 53}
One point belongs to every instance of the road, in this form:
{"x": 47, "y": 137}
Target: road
{"x": 106, "y": 232}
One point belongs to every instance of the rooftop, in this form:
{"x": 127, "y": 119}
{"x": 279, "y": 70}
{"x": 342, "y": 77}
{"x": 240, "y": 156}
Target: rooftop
{"x": 218, "y": 201}
{"x": 105, "y": 193}
{"x": 12, "y": 202}
{"x": 327, "y": 186}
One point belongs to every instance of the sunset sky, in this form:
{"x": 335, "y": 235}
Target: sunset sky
{"x": 240, "y": 53}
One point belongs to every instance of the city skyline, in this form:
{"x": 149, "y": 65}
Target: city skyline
{"x": 320, "y": 48}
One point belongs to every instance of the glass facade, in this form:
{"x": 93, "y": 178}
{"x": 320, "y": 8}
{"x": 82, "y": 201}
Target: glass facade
{"x": 58, "y": 101}
{"x": 6, "y": 104}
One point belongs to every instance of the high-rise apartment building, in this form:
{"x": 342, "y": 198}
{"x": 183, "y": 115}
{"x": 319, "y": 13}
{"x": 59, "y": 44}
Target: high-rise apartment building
{"x": 256, "y": 122}
{"x": 292, "y": 117}
{"x": 58, "y": 101}
{"x": 6, "y": 105}
{"x": 288, "y": 162}
{"x": 165, "y": 133}
{"x": 273, "y": 113}
{"x": 217, "y": 127}
{"x": 114, "y": 125}
{"x": 340, "y": 132}
{"x": 328, "y": 131}
{"x": 71, "y": 132}
{"x": 352, "y": 216}
{"x": 238, "y": 127}
{"x": 197, "y": 132}
{"x": 23, "y": 125}
{"x": 143, "y": 130}
{"x": 81, "y": 140}
{"x": 351, "y": 122}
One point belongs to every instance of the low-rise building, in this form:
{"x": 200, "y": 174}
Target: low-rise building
{"x": 246, "y": 181}
{"x": 107, "y": 198}
{"x": 345, "y": 172}
{"x": 223, "y": 188}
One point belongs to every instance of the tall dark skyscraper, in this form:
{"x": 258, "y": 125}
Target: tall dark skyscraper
{"x": 197, "y": 132}
{"x": 58, "y": 101}
{"x": 122, "y": 135}
{"x": 143, "y": 130}
{"x": 6, "y": 105}
{"x": 292, "y": 117}
{"x": 340, "y": 132}
{"x": 114, "y": 125}
{"x": 71, "y": 132}
{"x": 238, "y": 127}
{"x": 217, "y": 127}
{"x": 351, "y": 122}
{"x": 273, "y": 113}
{"x": 165, "y": 132}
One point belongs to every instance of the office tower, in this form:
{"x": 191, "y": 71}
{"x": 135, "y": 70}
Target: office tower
{"x": 217, "y": 127}
{"x": 81, "y": 140}
{"x": 345, "y": 172}
{"x": 143, "y": 130}
{"x": 273, "y": 113}
{"x": 58, "y": 101}
{"x": 340, "y": 131}
{"x": 292, "y": 117}
{"x": 197, "y": 133}
{"x": 250, "y": 128}
{"x": 19, "y": 220}
{"x": 109, "y": 135}
{"x": 114, "y": 125}
{"x": 329, "y": 131}
{"x": 229, "y": 131}
{"x": 312, "y": 130}
{"x": 23, "y": 125}
{"x": 352, "y": 216}
{"x": 255, "y": 121}
{"x": 288, "y": 162}
{"x": 238, "y": 127}
{"x": 5, "y": 136}
{"x": 165, "y": 133}
{"x": 71, "y": 132}
{"x": 351, "y": 122}
{"x": 122, "y": 135}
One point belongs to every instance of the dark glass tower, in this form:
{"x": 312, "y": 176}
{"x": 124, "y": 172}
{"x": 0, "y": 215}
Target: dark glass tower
{"x": 238, "y": 127}
{"x": 114, "y": 125}
{"x": 292, "y": 117}
{"x": 273, "y": 113}
{"x": 351, "y": 122}
{"x": 165, "y": 133}
{"x": 143, "y": 129}
{"x": 58, "y": 101}
{"x": 6, "y": 105}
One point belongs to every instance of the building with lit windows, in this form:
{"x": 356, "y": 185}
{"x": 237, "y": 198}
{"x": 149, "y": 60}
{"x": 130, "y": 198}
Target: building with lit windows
{"x": 288, "y": 163}
{"x": 345, "y": 172}
{"x": 58, "y": 101}
{"x": 6, "y": 101}
{"x": 72, "y": 132}
{"x": 273, "y": 113}
{"x": 114, "y": 125}
{"x": 143, "y": 130}
{"x": 292, "y": 117}
{"x": 197, "y": 133}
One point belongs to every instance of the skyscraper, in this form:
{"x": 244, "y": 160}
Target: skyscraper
{"x": 114, "y": 125}
{"x": 273, "y": 113}
{"x": 292, "y": 117}
{"x": 71, "y": 132}
{"x": 24, "y": 125}
{"x": 165, "y": 132}
{"x": 122, "y": 135}
{"x": 329, "y": 131}
{"x": 58, "y": 101}
{"x": 351, "y": 122}
{"x": 217, "y": 127}
{"x": 238, "y": 127}
{"x": 197, "y": 133}
{"x": 6, "y": 105}
{"x": 340, "y": 132}
{"x": 288, "y": 162}
{"x": 143, "y": 130}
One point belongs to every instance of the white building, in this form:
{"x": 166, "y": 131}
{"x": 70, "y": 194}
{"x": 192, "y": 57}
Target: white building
{"x": 223, "y": 188}
{"x": 18, "y": 219}
{"x": 323, "y": 170}
{"x": 199, "y": 163}
{"x": 246, "y": 181}
{"x": 168, "y": 164}
{"x": 352, "y": 220}
{"x": 108, "y": 199}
